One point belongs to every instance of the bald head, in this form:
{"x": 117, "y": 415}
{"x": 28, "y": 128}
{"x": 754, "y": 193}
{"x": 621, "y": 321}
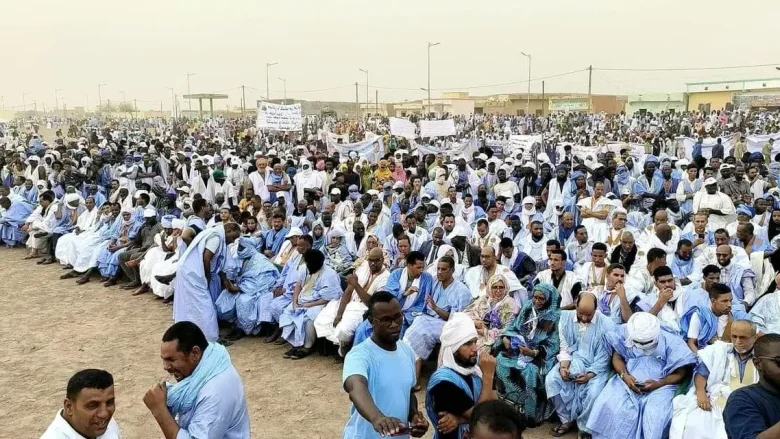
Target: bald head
{"x": 661, "y": 217}
{"x": 376, "y": 260}
{"x": 663, "y": 232}
{"x": 488, "y": 257}
{"x": 723, "y": 254}
{"x": 586, "y": 307}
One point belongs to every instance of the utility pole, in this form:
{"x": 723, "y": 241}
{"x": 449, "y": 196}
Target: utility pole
{"x": 100, "y": 99}
{"x": 135, "y": 108}
{"x": 543, "y": 112}
{"x": 528, "y": 94}
{"x": 357, "y": 103}
{"x": 267, "y": 86}
{"x": 285, "y": 88}
{"x": 243, "y": 101}
{"x": 24, "y": 104}
{"x": 56, "y": 100}
{"x": 376, "y": 100}
{"x": 173, "y": 101}
{"x": 429, "y": 72}
{"x": 368, "y": 100}
{"x": 162, "y": 115}
{"x": 590, "y": 83}
{"x": 109, "y": 108}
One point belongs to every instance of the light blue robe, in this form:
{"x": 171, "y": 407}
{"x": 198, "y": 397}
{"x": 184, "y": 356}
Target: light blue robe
{"x": 574, "y": 401}
{"x": 424, "y": 333}
{"x": 220, "y": 409}
{"x": 292, "y": 321}
{"x": 618, "y": 412}
{"x": 445, "y": 374}
{"x": 708, "y": 321}
{"x": 273, "y": 240}
{"x": 195, "y": 296}
{"x": 88, "y": 247}
{"x": 293, "y": 270}
{"x": 414, "y": 308}
{"x": 107, "y": 262}
{"x": 249, "y": 307}
{"x": 12, "y": 221}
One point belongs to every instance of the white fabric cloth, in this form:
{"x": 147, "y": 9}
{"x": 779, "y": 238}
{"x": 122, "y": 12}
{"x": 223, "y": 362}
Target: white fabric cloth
{"x": 458, "y": 331}
{"x": 642, "y": 328}
{"x": 60, "y": 429}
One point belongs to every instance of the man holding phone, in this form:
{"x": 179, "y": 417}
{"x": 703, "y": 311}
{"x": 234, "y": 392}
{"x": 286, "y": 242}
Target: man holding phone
{"x": 379, "y": 375}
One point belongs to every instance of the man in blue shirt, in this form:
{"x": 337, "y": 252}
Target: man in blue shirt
{"x": 754, "y": 411}
{"x": 379, "y": 375}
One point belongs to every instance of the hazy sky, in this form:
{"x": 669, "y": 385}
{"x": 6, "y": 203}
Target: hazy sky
{"x": 142, "y": 46}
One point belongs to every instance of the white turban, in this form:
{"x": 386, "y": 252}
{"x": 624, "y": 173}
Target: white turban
{"x": 458, "y": 331}
{"x": 642, "y": 331}
{"x": 178, "y": 224}
{"x": 150, "y": 212}
{"x": 69, "y": 198}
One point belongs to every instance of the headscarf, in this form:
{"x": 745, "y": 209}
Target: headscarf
{"x": 642, "y": 331}
{"x": 247, "y": 247}
{"x": 621, "y": 174}
{"x": 745, "y": 210}
{"x": 458, "y": 330}
{"x": 549, "y": 311}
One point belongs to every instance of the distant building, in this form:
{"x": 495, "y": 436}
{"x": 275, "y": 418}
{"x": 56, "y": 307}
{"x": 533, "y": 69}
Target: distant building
{"x": 657, "y": 102}
{"x": 726, "y": 95}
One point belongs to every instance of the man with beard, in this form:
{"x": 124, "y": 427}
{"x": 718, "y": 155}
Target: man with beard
{"x": 647, "y": 186}
{"x": 584, "y": 364}
{"x": 702, "y": 325}
{"x": 208, "y": 398}
{"x": 459, "y": 383}
{"x": 737, "y": 187}
{"x": 476, "y": 278}
{"x": 566, "y": 282}
{"x": 598, "y": 177}
{"x": 520, "y": 263}
{"x": 579, "y": 250}
{"x": 515, "y": 232}
{"x": 683, "y": 265}
{"x": 626, "y": 253}
{"x": 464, "y": 178}
{"x": 379, "y": 377}
{"x": 719, "y": 205}
{"x": 564, "y": 232}
{"x": 723, "y": 366}
{"x": 505, "y": 185}
{"x": 528, "y": 183}
{"x": 556, "y": 188}
{"x": 533, "y": 243}
{"x": 417, "y": 235}
{"x": 739, "y": 278}
{"x": 430, "y": 249}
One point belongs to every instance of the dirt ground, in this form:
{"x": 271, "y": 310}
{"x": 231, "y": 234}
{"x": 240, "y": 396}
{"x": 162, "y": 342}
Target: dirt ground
{"x": 51, "y": 328}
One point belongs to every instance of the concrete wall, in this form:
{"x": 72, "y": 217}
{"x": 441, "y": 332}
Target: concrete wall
{"x": 657, "y": 102}
{"x": 716, "y": 99}
{"x": 514, "y": 107}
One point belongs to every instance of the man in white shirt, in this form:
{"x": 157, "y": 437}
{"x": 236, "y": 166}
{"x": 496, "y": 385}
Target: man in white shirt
{"x": 579, "y": 250}
{"x": 719, "y": 205}
{"x": 88, "y": 409}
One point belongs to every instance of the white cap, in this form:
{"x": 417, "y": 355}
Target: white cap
{"x": 398, "y": 185}
{"x": 435, "y": 203}
{"x": 335, "y": 191}
{"x": 294, "y": 231}
{"x": 150, "y": 213}
{"x": 482, "y": 157}
{"x": 710, "y": 181}
{"x": 372, "y": 192}
{"x": 598, "y": 165}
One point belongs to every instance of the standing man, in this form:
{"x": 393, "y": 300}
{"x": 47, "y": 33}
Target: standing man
{"x": 199, "y": 277}
{"x": 88, "y": 409}
{"x": 208, "y": 399}
{"x": 379, "y": 376}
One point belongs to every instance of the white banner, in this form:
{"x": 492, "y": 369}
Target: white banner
{"x": 437, "y": 128}
{"x": 372, "y": 149}
{"x": 279, "y": 117}
{"x": 518, "y": 141}
{"x": 755, "y": 143}
{"x": 465, "y": 148}
{"x": 403, "y": 128}
{"x": 707, "y": 144}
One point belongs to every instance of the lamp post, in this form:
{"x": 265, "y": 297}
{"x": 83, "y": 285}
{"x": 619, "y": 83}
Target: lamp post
{"x": 285, "y": 88}
{"x": 367, "y": 98}
{"x": 173, "y": 100}
{"x": 56, "y": 100}
{"x": 528, "y": 94}
{"x": 267, "y": 87}
{"x": 24, "y": 104}
{"x": 429, "y": 71}
{"x": 189, "y": 101}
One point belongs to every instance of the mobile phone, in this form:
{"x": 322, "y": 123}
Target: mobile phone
{"x": 403, "y": 431}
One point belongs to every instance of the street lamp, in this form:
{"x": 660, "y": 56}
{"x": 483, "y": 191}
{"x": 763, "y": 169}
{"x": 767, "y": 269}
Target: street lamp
{"x": 368, "y": 99}
{"x": 100, "y": 99}
{"x": 429, "y": 71}
{"x": 528, "y": 95}
{"x": 285, "y": 88}
{"x": 24, "y": 105}
{"x": 189, "y": 101}
{"x": 267, "y": 68}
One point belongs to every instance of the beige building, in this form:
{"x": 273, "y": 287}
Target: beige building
{"x": 725, "y": 95}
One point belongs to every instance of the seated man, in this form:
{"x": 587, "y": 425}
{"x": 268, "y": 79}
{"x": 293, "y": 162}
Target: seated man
{"x": 285, "y": 285}
{"x": 130, "y": 260}
{"x": 723, "y": 368}
{"x": 684, "y": 266}
{"x": 534, "y": 242}
{"x": 566, "y": 282}
{"x": 275, "y": 237}
{"x": 722, "y": 237}
{"x": 13, "y": 218}
{"x": 245, "y": 302}
{"x": 626, "y": 252}
{"x": 476, "y": 278}
{"x": 544, "y": 263}
{"x": 459, "y": 383}
{"x": 579, "y": 249}
{"x": 207, "y": 399}
{"x": 649, "y": 362}
{"x": 702, "y": 325}
{"x": 64, "y": 221}
{"x": 520, "y": 263}
{"x": 338, "y": 321}
{"x": 37, "y": 225}
{"x": 107, "y": 261}
{"x": 88, "y": 410}
{"x": 65, "y": 251}
{"x": 158, "y": 256}
{"x": 739, "y": 278}
{"x": 320, "y": 285}
{"x": 700, "y": 237}
{"x": 448, "y": 296}
{"x": 584, "y": 364}
{"x": 640, "y": 281}
{"x": 612, "y": 297}
{"x": 593, "y": 273}
{"x": 288, "y": 248}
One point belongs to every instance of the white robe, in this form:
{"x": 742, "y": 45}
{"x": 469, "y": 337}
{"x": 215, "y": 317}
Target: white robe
{"x": 66, "y": 245}
{"x": 60, "y": 429}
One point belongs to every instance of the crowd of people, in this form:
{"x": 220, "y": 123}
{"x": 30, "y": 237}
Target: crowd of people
{"x": 625, "y": 293}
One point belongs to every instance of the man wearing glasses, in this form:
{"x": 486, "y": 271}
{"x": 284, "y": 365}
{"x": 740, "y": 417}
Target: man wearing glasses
{"x": 754, "y": 411}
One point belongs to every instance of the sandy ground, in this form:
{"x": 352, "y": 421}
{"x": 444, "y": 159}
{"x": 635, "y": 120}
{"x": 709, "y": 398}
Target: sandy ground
{"x": 51, "y": 328}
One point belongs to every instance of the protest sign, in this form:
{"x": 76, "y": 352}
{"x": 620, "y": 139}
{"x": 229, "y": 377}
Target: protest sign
{"x": 707, "y": 144}
{"x": 437, "y": 128}
{"x": 279, "y": 117}
{"x": 403, "y": 128}
{"x": 518, "y": 141}
{"x": 464, "y": 148}
{"x": 755, "y": 143}
{"x": 372, "y": 148}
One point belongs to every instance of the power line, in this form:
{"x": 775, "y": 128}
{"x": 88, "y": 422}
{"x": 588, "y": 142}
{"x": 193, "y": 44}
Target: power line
{"x": 481, "y": 86}
{"x": 672, "y": 69}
